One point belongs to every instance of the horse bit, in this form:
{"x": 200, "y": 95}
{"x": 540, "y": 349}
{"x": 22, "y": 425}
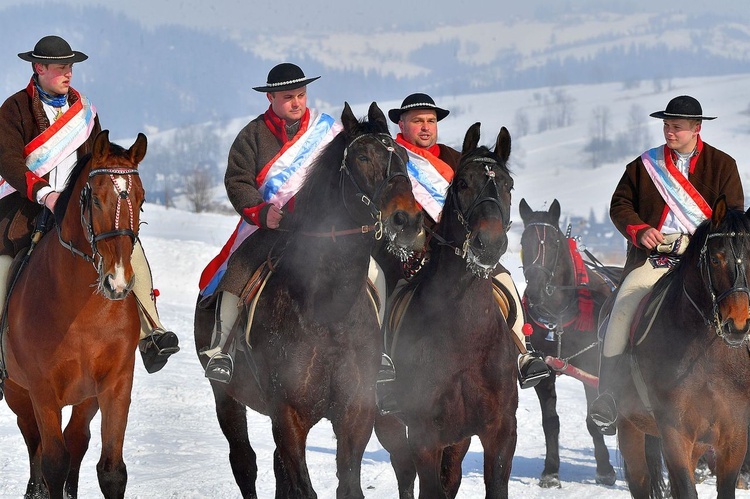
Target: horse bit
{"x": 85, "y": 203}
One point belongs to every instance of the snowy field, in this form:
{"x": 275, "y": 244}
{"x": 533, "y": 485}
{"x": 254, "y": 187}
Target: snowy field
{"x": 173, "y": 445}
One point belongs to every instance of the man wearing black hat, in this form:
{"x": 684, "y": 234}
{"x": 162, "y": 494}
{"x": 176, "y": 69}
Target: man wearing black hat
{"x": 431, "y": 167}
{"x": 34, "y": 172}
{"x": 259, "y": 185}
{"x": 661, "y": 198}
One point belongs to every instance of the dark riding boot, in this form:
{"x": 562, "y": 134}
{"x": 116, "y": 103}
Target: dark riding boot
{"x": 385, "y": 386}
{"x": 156, "y": 349}
{"x": 603, "y": 409}
{"x": 220, "y": 367}
{"x": 531, "y": 368}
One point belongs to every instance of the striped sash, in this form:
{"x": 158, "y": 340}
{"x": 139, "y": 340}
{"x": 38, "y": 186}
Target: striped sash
{"x": 430, "y": 177}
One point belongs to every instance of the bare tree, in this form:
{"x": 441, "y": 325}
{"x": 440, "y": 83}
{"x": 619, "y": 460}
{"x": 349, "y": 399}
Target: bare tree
{"x": 521, "y": 123}
{"x": 198, "y": 185}
{"x": 599, "y": 146}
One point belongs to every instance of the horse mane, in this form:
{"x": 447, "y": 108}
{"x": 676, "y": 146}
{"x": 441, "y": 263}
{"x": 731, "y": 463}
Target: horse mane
{"x": 320, "y": 190}
{"x": 62, "y": 202}
{"x": 734, "y": 221}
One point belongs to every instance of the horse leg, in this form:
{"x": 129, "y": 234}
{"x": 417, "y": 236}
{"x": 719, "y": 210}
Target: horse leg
{"x": 730, "y": 457}
{"x": 353, "y": 428}
{"x": 428, "y": 461}
{"x": 605, "y": 473}
{"x": 451, "y": 471}
{"x": 392, "y": 434}
{"x": 499, "y": 445}
{"x": 232, "y": 417}
{"x": 55, "y": 457}
{"x": 547, "y": 395}
{"x": 111, "y": 470}
{"x": 77, "y": 435}
{"x": 743, "y": 480}
{"x": 20, "y": 403}
{"x": 678, "y": 454}
{"x": 632, "y": 442}
{"x": 290, "y": 430}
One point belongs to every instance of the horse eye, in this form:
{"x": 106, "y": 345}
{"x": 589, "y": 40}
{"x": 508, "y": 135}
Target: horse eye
{"x": 363, "y": 157}
{"x": 462, "y": 184}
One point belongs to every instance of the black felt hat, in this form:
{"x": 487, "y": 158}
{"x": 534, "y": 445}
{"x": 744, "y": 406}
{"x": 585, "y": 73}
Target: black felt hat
{"x": 285, "y": 76}
{"x": 682, "y": 107}
{"x": 53, "y": 50}
{"x": 417, "y": 101}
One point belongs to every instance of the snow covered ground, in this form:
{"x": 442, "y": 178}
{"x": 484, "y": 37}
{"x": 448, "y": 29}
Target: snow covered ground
{"x": 173, "y": 445}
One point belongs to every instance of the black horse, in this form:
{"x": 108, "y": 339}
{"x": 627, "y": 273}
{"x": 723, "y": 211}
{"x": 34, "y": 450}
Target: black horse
{"x": 454, "y": 356}
{"x": 562, "y": 300}
{"x": 315, "y": 346}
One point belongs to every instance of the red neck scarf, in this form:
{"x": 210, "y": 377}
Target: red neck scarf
{"x": 278, "y": 125}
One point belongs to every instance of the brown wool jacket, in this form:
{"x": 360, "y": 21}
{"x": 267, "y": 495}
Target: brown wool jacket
{"x": 22, "y": 118}
{"x": 636, "y": 204}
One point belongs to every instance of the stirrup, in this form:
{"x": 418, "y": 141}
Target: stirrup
{"x": 385, "y": 399}
{"x": 531, "y": 370}
{"x": 603, "y": 412}
{"x": 220, "y": 367}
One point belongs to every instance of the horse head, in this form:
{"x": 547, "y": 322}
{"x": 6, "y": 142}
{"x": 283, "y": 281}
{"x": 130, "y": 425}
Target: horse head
{"x": 476, "y": 215}
{"x": 110, "y": 197}
{"x": 721, "y": 246}
{"x": 375, "y": 166}
{"x": 544, "y": 258}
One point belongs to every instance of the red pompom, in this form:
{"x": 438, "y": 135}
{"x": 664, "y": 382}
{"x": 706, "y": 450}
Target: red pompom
{"x": 527, "y": 329}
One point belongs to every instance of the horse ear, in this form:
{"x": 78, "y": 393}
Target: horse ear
{"x": 375, "y": 115}
{"x": 524, "y": 209}
{"x": 101, "y": 144}
{"x": 348, "y": 119}
{"x": 554, "y": 210}
{"x": 138, "y": 150}
{"x": 471, "y": 140}
{"x": 719, "y": 210}
{"x": 502, "y": 145}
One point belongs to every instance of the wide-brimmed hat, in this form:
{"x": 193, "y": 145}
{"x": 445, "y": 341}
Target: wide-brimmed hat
{"x": 285, "y": 76}
{"x": 682, "y": 107}
{"x": 417, "y": 101}
{"x": 53, "y": 50}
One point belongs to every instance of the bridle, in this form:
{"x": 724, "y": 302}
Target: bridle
{"x": 123, "y": 197}
{"x": 740, "y": 285}
{"x": 489, "y": 193}
{"x": 370, "y": 201}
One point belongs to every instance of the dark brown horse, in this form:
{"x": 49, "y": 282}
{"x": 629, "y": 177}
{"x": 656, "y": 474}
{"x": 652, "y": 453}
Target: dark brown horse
{"x": 552, "y": 301}
{"x": 454, "y": 356}
{"x": 315, "y": 338}
{"x": 73, "y": 325}
{"x": 690, "y": 384}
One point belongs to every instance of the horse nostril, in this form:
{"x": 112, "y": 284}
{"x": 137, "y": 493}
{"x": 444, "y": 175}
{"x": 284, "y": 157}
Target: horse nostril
{"x": 400, "y": 219}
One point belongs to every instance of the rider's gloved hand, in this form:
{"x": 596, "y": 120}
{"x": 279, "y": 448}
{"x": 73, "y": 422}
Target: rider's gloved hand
{"x": 264, "y": 215}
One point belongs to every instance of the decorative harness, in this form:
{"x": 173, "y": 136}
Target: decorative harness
{"x": 85, "y": 203}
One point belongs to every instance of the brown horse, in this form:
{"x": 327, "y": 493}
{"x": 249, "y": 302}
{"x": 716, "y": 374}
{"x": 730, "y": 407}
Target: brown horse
{"x": 690, "y": 384}
{"x": 454, "y": 356}
{"x": 315, "y": 341}
{"x": 73, "y": 325}
{"x": 551, "y": 300}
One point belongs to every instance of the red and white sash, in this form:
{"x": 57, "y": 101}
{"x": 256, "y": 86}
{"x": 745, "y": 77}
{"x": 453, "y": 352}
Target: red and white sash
{"x": 430, "y": 177}
{"x": 59, "y": 141}
{"x": 683, "y": 199}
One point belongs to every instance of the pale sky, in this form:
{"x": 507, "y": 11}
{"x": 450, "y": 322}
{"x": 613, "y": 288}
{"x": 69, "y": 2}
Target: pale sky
{"x": 368, "y": 15}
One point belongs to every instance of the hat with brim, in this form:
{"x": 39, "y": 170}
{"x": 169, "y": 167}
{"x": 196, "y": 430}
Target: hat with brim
{"x": 417, "y": 101}
{"x": 285, "y": 76}
{"x": 53, "y": 50}
{"x": 682, "y": 107}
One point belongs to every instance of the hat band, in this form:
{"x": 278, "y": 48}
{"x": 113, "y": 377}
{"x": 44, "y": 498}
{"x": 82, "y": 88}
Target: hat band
{"x": 289, "y": 82}
{"x": 418, "y": 104}
{"x": 52, "y": 56}
{"x": 677, "y": 115}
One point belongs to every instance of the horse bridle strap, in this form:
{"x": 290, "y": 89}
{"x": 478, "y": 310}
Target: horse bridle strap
{"x": 85, "y": 203}
{"x": 347, "y": 232}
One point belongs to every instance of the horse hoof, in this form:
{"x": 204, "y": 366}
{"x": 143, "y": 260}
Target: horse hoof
{"x": 743, "y": 481}
{"x": 608, "y": 478}
{"x": 551, "y": 481}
